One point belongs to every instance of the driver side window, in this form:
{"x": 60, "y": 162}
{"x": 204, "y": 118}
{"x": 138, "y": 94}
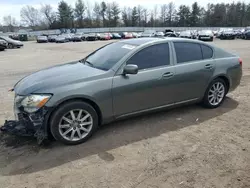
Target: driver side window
{"x": 153, "y": 56}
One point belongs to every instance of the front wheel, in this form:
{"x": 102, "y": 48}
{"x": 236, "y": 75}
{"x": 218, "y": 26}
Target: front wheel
{"x": 215, "y": 93}
{"x": 10, "y": 46}
{"x": 74, "y": 122}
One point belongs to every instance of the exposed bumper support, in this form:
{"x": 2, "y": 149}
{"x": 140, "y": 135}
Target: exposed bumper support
{"x": 28, "y": 125}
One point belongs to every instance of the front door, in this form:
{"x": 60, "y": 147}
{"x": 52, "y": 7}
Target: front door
{"x": 153, "y": 86}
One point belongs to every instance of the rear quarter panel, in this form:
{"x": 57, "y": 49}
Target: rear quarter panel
{"x": 228, "y": 65}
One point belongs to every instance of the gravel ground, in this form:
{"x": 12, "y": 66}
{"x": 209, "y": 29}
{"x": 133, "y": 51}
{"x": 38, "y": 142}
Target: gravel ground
{"x": 187, "y": 147}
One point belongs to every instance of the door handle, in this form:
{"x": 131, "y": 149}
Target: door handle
{"x": 168, "y": 75}
{"x": 208, "y": 66}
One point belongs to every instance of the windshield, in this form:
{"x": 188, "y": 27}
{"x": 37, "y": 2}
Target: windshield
{"x": 106, "y": 57}
{"x": 7, "y": 38}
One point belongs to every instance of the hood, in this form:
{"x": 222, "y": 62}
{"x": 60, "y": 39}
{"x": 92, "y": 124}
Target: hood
{"x": 57, "y": 76}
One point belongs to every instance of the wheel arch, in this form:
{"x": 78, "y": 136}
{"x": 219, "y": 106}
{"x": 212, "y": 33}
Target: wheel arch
{"x": 71, "y": 99}
{"x": 225, "y": 78}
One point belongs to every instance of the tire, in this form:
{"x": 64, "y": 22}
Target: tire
{"x": 207, "y": 97}
{"x": 58, "y": 127}
{"x": 10, "y": 46}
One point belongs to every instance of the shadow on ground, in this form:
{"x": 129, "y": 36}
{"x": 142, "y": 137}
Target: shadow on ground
{"x": 24, "y": 156}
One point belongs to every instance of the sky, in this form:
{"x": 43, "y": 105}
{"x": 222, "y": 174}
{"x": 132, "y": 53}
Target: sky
{"x": 13, "y": 7}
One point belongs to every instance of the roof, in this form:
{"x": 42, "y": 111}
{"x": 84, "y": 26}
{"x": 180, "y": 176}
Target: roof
{"x": 140, "y": 41}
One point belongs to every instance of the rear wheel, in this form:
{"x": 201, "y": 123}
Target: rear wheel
{"x": 74, "y": 122}
{"x": 215, "y": 93}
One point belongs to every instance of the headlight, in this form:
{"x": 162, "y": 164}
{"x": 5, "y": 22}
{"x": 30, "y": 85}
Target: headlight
{"x": 32, "y": 103}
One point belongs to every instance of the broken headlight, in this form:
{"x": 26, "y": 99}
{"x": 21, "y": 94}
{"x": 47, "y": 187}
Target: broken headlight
{"x": 32, "y": 103}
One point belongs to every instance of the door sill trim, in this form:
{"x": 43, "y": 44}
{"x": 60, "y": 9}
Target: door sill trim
{"x": 155, "y": 108}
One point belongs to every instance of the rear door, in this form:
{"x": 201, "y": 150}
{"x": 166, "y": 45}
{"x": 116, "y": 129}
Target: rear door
{"x": 194, "y": 68}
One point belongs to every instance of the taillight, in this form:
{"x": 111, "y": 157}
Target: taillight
{"x": 240, "y": 61}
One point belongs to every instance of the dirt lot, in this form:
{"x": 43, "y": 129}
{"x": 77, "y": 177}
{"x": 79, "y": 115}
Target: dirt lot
{"x": 185, "y": 147}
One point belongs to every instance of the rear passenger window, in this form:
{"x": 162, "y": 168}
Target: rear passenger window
{"x": 187, "y": 51}
{"x": 206, "y": 51}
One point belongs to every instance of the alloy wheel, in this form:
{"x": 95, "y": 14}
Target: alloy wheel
{"x": 216, "y": 93}
{"x": 75, "y": 125}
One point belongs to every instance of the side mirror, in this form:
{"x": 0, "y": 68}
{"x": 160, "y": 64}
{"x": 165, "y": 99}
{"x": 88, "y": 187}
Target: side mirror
{"x": 130, "y": 69}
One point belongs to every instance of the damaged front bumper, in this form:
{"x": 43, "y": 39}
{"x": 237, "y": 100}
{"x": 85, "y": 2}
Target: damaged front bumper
{"x": 33, "y": 124}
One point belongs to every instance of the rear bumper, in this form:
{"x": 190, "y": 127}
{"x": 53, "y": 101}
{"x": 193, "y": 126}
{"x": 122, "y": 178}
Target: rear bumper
{"x": 33, "y": 125}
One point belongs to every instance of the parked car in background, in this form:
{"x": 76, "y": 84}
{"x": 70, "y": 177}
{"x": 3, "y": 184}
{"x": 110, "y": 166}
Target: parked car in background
{"x": 98, "y": 36}
{"x": 12, "y": 43}
{"x": 91, "y": 37}
{"x": 110, "y": 35}
{"x": 68, "y": 37}
{"x": 206, "y": 35}
{"x": 245, "y": 33}
{"x": 171, "y": 34}
{"x": 52, "y": 38}
{"x": 119, "y": 80}
{"x": 77, "y": 37}
{"x": 3, "y": 45}
{"x": 139, "y": 34}
{"x": 135, "y": 35}
{"x": 128, "y": 35}
{"x": 61, "y": 39}
{"x": 159, "y": 34}
{"x": 42, "y": 39}
{"x": 149, "y": 33}
{"x": 104, "y": 36}
{"x": 116, "y": 36}
{"x": 186, "y": 34}
{"x": 228, "y": 34}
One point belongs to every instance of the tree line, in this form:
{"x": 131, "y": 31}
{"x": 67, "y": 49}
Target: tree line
{"x": 103, "y": 14}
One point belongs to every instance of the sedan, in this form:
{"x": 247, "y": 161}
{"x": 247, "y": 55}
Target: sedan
{"x": 42, "y": 39}
{"x": 3, "y": 45}
{"x": 116, "y": 36}
{"x": 105, "y": 36}
{"x": 206, "y": 35}
{"x": 227, "y": 35}
{"x": 91, "y": 37}
{"x": 60, "y": 39}
{"x": 52, "y": 38}
{"x": 159, "y": 34}
{"x": 70, "y": 101}
{"x": 12, "y": 43}
{"x": 77, "y": 37}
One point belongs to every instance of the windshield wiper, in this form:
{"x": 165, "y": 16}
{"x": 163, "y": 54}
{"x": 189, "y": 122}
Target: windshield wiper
{"x": 91, "y": 64}
{"x": 84, "y": 61}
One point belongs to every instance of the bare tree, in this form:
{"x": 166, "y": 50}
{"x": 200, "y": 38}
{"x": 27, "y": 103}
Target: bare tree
{"x": 115, "y": 11}
{"x": 48, "y": 14}
{"x": 30, "y": 16}
{"x": 140, "y": 14}
{"x": 97, "y": 14}
{"x": 171, "y": 13}
{"x": 163, "y": 16}
{"x": 155, "y": 14}
{"x": 10, "y": 22}
{"x": 145, "y": 16}
{"x": 109, "y": 14}
{"x": 79, "y": 12}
